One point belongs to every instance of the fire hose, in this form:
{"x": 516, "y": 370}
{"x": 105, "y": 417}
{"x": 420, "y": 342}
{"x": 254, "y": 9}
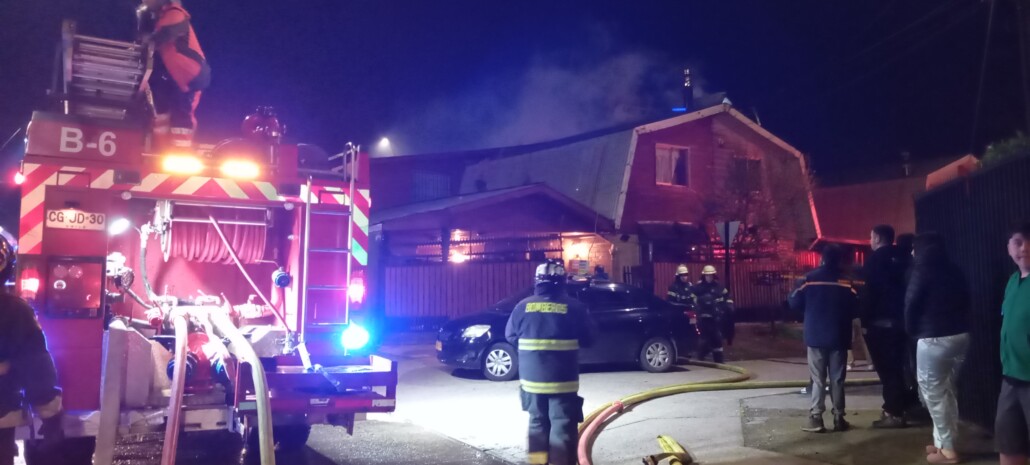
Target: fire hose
{"x": 239, "y": 264}
{"x": 171, "y": 441}
{"x": 246, "y": 353}
{"x": 605, "y": 414}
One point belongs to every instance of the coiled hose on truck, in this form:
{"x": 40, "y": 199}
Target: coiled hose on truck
{"x": 594, "y": 422}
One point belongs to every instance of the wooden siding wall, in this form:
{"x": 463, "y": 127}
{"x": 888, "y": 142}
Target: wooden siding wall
{"x": 452, "y": 290}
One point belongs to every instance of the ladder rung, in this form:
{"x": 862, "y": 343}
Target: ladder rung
{"x": 327, "y": 288}
{"x": 330, "y": 250}
{"x": 330, "y": 212}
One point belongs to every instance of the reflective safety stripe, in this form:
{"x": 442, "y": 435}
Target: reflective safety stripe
{"x": 534, "y": 387}
{"x": 548, "y": 344}
{"x": 4, "y": 368}
{"x": 546, "y": 307}
{"x": 538, "y": 458}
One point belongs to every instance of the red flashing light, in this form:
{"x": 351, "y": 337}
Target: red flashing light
{"x": 19, "y": 178}
{"x": 356, "y": 290}
{"x": 30, "y": 285}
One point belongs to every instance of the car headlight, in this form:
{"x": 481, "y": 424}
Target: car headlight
{"x": 475, "y": 331}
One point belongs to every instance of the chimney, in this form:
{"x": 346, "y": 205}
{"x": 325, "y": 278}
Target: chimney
{"x": 906, "y": 165}
{"x": 688, "y": 91}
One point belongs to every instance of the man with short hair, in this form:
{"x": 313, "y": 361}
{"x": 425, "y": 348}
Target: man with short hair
{"x": 1012, "y": 423}
{"x": 883, "y": 309}
{"x": 829, "y": 304}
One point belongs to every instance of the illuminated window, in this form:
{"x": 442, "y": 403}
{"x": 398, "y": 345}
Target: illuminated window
{"x": 672, "y": 165}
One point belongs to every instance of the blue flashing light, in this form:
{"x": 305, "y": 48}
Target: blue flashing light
{"x": 354, "y": 337}
{"x": 679, "y": 109}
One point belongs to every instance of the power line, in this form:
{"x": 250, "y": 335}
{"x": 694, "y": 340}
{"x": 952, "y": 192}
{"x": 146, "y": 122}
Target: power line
{"x": 983, "y": 73}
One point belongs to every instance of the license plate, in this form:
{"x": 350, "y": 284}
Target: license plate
{"x": 439, "y": 346}
{"x": 75, "y": 219}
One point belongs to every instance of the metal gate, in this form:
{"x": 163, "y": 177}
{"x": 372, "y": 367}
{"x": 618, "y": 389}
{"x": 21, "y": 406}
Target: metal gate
{"x": 973, "y": 214}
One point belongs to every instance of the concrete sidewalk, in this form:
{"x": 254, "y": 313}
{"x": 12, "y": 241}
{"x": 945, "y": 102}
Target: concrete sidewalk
{"x": 727, "y": 427}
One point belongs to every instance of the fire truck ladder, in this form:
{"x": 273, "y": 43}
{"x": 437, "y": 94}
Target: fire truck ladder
{"x": 99, "y": 78}
{"x": 349, "y": 170}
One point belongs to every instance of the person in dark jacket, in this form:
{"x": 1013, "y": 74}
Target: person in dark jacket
{"x": 829, "y": 304}
{"x": 936, "y": 314}
{"x": 681, "y": 293}
{"x": 714, "y": 315}
{"x": 883, "y": 307}
{"x": 27, "y": 373}
{"x": 548, "y": 328}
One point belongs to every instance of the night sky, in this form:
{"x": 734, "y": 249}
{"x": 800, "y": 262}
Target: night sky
{"x": 848, "y": 83}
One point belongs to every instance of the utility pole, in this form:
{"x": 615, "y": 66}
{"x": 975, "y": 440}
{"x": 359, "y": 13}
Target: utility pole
{"x": 1023, "y": 15}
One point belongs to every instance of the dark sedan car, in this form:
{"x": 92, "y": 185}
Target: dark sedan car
{"x": 634, "y": 326}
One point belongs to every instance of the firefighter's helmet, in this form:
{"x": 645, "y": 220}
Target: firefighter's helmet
{"x": 551, "y": 271}
{"x": 7, "y": 261}
{"x": 682, "y": 270}
{"x": 708, "y": 269}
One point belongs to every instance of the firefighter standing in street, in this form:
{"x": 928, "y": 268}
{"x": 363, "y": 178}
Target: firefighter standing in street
{"x": 548, "y": 328}
{"x": 27, "y": 373}
{"x": 180, "y": 72}
{"x": 709, "y": 285}
{"x": 713, "y": 306}
{"x": 681, "y": 292}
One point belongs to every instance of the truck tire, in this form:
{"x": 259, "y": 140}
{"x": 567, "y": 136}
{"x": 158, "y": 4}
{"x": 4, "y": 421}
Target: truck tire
{"x": 288, "y": 438}
{"x": 291, "y": 438}
{"x": 501, "y": 362}
{"x": 70, "y": 451}
{"x": 657, "y": 355}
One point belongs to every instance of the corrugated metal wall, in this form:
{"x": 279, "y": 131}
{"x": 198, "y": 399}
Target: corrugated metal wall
{"x": 453, "y": 289}
{"x": 974, "y": 215}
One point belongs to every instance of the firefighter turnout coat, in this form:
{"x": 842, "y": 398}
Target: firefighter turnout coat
{"x": 682, "y": 294}
{"x": 25, "y": 365}
{"x": 548, "y": 328}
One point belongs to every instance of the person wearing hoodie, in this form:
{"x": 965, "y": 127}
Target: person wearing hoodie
{"x": 936, "y": 311}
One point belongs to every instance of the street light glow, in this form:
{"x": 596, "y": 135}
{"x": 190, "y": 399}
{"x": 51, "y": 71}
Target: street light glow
{"x": 384, "y": 144}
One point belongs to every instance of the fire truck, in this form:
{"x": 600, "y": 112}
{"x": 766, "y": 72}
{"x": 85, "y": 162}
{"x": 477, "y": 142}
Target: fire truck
{"x": 218, "y": 290}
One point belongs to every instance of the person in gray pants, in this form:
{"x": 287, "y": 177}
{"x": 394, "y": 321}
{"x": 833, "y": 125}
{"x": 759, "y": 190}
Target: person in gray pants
{"x": 829, "y": 305}
{"x": 936, "y": 312}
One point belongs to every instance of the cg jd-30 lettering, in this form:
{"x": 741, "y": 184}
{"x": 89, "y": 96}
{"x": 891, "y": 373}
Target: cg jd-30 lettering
{"x": 75, "y": 219}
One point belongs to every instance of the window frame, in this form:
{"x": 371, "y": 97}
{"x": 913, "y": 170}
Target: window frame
{"x": 686, "y": 152}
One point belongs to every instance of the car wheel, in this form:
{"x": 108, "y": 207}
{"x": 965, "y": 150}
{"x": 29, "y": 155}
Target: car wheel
{"x": 500, "y": 362}
{"x": 657, "y": 355}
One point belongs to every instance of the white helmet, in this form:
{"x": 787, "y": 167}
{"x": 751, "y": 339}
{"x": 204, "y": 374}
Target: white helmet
{"x": 551, "y": 271}
{"x": 708, "y": 269}
{"x": 682, "y": 270}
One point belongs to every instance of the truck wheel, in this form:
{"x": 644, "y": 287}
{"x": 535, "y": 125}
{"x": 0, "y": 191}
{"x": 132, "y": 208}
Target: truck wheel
{"x": 658, "y": 355}
{"x": 70, "y": 451}
{"x": 501, "y": 362}
{"x": 288, "y": 438}
{"x": 291, "y": 438}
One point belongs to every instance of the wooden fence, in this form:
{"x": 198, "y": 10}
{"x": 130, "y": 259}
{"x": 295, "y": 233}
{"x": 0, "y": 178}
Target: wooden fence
{"x": 436, "y": 291}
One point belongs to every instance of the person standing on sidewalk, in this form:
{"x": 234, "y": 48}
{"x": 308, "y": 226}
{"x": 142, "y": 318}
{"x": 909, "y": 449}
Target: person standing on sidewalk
{"x": 1012, "y": 423}
{"x": 829, "y": 304}
{"x": 936, "y": 312}
{"x": 883, "y": 308}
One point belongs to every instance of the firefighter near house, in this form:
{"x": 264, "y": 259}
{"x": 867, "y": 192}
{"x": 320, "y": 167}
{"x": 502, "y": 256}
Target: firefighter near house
{"x": 210, "y": 290}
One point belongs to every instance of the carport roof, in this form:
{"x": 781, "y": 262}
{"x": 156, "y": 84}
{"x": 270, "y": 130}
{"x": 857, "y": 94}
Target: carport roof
{"x": 466, "y": 211}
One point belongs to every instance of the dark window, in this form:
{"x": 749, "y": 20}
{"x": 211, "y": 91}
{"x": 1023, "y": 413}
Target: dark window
{"x": 672, "y": 165}
{"x": 602, "y": 299}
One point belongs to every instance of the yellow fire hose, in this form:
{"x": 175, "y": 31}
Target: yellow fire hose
{"x": 594, "y": 422}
